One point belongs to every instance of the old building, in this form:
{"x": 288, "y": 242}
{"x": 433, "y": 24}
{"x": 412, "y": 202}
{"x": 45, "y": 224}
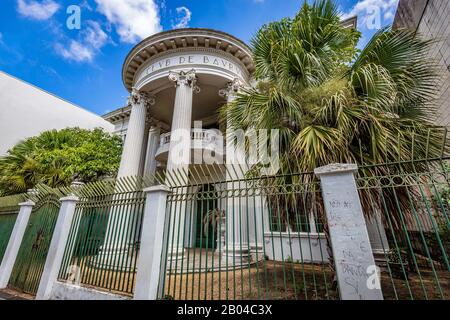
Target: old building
{"x": 430, "y": 19}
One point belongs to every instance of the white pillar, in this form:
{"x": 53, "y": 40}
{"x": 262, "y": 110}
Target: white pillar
{"x": 357, "y": 273}
{"x": 149, "y": 274}
{"x": 112, "y": 252}
{"x": 180, "y": 153}
{"x": 57, "y": 246}
{"x": 132, "y": 149}
{"x": 152, "y": 148}
{"x": 180, "y": 139}
{"x": 14, "y": 242}
{"x": 237, "y": 218}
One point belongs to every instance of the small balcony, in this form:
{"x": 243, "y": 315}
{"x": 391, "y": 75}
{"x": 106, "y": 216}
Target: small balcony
{"x": 211, "y": 141}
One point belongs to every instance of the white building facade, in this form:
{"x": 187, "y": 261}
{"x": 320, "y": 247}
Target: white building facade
{"x": 27, "y": 111}
{"x": 177, "y": 80}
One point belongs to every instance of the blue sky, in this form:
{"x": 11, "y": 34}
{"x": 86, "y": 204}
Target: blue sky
{"x": 84, "y": 65}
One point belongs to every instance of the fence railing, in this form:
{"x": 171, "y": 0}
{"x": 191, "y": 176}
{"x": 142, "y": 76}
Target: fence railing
{"x": 408, "y": 219}
{"x": 31, "y": 257}
{"x": 247, "y": 239}
{"x": 7, "y": 220}
{"x": 9, "y": 208}
{"x": 104, "y": 237}
{"x": 258, "y": 237}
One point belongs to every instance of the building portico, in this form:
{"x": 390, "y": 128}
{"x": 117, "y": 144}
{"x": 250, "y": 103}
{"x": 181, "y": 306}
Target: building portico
{"x": 174, "y": 79}
{"x": 177, "y": 81}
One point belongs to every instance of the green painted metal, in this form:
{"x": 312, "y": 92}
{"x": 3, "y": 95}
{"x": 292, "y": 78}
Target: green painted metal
{"x": 7, "y": 221}
{"x": 273, "y": 215}
{"x": 413, "y": 204}
{"x": 205, "y": 231}
{"x": 278, "y": 268}
{"x": 411, "y": 199}
{"x": 30, "y": 261}
{"x": 104, "y": 237}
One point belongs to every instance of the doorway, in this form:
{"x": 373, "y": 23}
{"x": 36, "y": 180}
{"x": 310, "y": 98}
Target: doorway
{"x": 206, "y": 229}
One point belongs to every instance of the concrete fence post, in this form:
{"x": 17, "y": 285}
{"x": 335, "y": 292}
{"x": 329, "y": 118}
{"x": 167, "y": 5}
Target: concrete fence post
{"x": 57, "y": 247}
{"x": 150, "y": 253}
{"x": 14, "y": 242}
{"x": 357, "y": 274}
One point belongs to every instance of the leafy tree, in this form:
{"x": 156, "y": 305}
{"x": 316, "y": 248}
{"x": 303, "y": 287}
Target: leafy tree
{"x": 334, "y": 104}
{"x": 56, "y": 158}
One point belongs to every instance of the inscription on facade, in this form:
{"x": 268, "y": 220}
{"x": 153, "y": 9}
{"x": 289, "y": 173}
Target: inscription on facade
{"x": 192, "y": 59}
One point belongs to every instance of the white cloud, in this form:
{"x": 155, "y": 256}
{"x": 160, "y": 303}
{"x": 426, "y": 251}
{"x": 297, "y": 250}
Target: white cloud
{"x": 389, "y": 15}
{"x": 76, "y": 51}
{"x": 366, "y": 9}
{"x": 42, "y": 10}
{"x": 133, "y": 19}
{"x": 90, "y": 42}
{"x": 2, "y": 43}
{"x": 94, "y": 35}
{"x": 85, "y": 5}
{"x": 184, "y": 18}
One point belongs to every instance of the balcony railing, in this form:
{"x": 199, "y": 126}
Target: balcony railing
{"x": 200, "y": 139}
{"x": 205, "y": 136}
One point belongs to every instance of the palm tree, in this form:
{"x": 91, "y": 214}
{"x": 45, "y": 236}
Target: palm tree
{"x": 335, "y": 104}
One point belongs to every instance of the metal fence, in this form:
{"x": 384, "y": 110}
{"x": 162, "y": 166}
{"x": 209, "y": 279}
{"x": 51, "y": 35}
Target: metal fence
{"x": 30, "y": 261}
{"x": 7, "y": 220}
{"x": 245, "y": 239}
{"x": 9, "y": 208}
{"x": 407, "y": 207}
{"x": 104, "y": 237}
{"x": 254, "y": 237}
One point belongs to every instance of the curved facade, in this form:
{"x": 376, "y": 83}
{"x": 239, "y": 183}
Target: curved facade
{"x": 177, "y": 82}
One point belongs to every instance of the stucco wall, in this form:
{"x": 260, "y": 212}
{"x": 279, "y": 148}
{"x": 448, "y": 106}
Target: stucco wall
{"x": 431, "y": 20}
{"x": 26, "y": 111}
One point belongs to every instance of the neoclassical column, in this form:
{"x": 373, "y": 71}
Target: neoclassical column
{"x": 180, "y": 139}
{"x": 180, "y": 156}
{"x": 120, "y": 232}
{"x": 132, "y": 149}
{"x": 237, "y": 237}
{"x": 152, "y": 147}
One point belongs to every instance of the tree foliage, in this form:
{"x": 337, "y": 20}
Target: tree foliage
{"x": 56, "y": 158}
{"x": 333, "y": 103}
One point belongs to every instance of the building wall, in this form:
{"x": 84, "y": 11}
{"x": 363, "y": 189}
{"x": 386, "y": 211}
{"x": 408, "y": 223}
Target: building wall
{"x": 27, "y": 111}
{"x": 431, "y": 19}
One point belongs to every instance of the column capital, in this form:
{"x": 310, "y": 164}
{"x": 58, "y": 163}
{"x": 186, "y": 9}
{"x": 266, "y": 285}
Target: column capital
{"x": 187, "y": 78}
{"x": 231, "y": 88}
{"x": 137, "y": 97}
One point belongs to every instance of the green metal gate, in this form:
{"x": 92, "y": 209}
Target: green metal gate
{"x": 7, "y": 220}
{"x": 30, "y": 261}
